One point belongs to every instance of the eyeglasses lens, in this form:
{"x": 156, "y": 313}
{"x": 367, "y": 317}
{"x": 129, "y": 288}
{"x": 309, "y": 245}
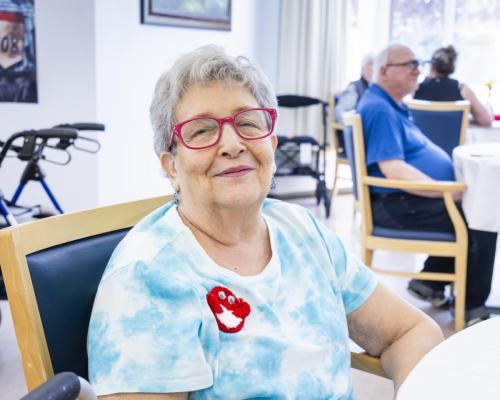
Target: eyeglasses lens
{"x": 203, "y": 132}
{"x": 253, "y": 124}
{"x": 200, "y": 132}
{"x": 414, "y": 64}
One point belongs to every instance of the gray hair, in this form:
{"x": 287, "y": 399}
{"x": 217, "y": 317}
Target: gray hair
{"x": 379, "y": 61}
{"x": 202, "y": 66}
{"x": 367, "y": 59}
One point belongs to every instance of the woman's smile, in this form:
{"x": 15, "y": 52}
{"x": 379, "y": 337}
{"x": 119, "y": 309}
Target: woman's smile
{"x": 235, "y": 172}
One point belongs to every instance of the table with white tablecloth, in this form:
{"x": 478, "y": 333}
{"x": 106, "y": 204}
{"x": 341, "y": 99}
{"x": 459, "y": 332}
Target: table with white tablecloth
{"x": 465, "y": 366}
{"x": 479, "y": 134}
{"x": 478, "y": 166}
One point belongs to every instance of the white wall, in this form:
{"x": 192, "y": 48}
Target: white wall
{"x": 96, "y": 62}
{"x": 66, "y": 89}
{"x": 130, "y": 57}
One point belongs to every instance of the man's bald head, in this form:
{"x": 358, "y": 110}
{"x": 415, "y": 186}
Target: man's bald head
{"x": 395, "y": 70}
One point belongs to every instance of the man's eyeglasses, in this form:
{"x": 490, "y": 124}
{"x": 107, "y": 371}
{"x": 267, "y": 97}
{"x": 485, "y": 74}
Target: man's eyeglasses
{"x": 203, "y": 132}
{"x": 412, "y": 64}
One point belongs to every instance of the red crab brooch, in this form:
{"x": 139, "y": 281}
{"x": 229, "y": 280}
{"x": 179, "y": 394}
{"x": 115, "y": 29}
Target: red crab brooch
{"x": 229, "y": 311}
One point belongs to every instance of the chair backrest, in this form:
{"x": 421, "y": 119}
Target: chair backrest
{"x": 349, "y": 152}
{"x": 445, "y": 123}
{"x": 355, "y": 150}
{"x": 52, "y": 268}
{"x": 336, "y": 127}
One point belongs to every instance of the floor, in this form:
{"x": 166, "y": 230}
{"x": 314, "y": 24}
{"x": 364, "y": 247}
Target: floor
{"x": 345, "y": 224}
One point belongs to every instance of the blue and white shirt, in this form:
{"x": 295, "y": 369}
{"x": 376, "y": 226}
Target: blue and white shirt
{"x": 152, "y": 329}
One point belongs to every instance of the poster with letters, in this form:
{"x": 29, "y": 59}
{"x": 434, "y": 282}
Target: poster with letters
{"x": 17, "y": 52}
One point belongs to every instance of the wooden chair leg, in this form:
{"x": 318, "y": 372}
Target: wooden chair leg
{"x": 335, "y": 178}
{"x": 460, "y": 290}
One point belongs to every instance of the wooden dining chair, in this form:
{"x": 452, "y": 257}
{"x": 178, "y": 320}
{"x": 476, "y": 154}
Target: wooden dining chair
{"x": 443, "y": 122}
{"x": 337, "y": 129}
{"x": 52, "y": 268}
{"x": 433, "y": 243}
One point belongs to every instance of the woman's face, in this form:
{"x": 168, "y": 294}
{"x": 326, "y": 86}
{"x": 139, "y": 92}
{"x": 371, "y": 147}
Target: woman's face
{"x": 234, "y": 173}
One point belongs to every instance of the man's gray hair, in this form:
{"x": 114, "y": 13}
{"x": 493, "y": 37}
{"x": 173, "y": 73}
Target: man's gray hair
{"x": 379, "y": 61}
{"x": 367, "y": 58}
{"x": 202, "y": 66}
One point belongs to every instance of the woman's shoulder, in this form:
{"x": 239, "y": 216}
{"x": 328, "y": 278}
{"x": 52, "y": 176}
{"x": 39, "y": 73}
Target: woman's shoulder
{"x": 284, "y": 212}
{"x": 151, "y": 236}
{"x": 292, "y": 220}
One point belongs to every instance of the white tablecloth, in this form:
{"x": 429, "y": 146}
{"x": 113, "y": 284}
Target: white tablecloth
{"x": 478, "y": 166}
{"x": 465, "y": 366}
{"x": 479, "y": 134}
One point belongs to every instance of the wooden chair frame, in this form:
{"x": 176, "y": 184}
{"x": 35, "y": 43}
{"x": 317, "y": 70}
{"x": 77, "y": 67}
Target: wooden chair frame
{"x": 339, "y": 159}
{"x": 19, "y": 241}
{"x": 369, "y": 242}
{"x": 445, "y": 106}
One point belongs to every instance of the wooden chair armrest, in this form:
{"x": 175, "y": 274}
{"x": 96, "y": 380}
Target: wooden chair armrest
{"x": 442, "y": 186}
{"x": 337, "y": 126}
{"x": 365, "y": 362}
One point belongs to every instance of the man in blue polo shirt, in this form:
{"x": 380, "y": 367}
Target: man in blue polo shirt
{"x": 397, "y": 149}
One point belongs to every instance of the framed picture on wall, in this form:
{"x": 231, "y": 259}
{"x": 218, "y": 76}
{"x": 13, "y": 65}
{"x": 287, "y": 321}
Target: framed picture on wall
{"x": 17, "y": 52}
{"x": 203, "y": 14}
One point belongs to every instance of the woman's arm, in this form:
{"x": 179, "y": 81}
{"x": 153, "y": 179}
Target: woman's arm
{"x": 145, "y": 396}
{"x": 400, "y": 334}
{"x": 480, "y": 114}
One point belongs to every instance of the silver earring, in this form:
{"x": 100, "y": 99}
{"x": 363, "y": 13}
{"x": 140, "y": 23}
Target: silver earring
{"x": 176, "y": 198}
{"x": 273, "y": 183}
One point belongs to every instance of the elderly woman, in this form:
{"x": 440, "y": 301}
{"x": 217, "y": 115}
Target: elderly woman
{"x": 222, "y": 293}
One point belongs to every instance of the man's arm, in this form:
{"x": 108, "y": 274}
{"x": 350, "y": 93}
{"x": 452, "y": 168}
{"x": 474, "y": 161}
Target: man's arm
{"x": 400, "y": 334}
{"x": 399, "y": 169}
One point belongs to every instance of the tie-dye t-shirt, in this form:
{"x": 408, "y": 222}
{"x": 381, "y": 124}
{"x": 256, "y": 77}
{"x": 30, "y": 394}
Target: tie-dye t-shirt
{"x": 153, "y": 330}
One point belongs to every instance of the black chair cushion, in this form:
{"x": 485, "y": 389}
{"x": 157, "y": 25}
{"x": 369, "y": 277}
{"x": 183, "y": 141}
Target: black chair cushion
{"x": 65, "y": 279}
{"x": 413, "y": 235}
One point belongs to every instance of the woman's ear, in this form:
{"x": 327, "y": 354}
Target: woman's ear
{"x": 167, "y": 160}
{"x": 274, "y": 142}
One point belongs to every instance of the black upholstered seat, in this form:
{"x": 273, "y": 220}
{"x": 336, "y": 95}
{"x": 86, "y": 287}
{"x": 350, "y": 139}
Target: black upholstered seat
{"x": 65, "y": 280}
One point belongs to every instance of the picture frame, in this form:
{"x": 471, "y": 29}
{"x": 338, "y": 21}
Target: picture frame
{"x": 18, "y": 67}
{"x": 199, "y": 14}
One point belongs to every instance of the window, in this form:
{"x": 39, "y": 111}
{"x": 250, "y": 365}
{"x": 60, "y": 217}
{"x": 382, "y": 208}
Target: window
{"x": 471, "y": 26}
{"x": 417, "y": 24}
{"x": 477, "y": 39}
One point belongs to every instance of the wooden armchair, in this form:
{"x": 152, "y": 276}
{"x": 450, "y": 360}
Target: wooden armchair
{"x": 337, "y": 129}
{"x": 432, "y": 243}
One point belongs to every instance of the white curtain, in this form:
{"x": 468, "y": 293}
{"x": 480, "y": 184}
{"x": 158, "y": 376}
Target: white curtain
{"x": 311, "y": 50}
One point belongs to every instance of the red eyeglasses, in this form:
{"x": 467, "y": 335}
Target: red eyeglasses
{"x": 203, "y": 132}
